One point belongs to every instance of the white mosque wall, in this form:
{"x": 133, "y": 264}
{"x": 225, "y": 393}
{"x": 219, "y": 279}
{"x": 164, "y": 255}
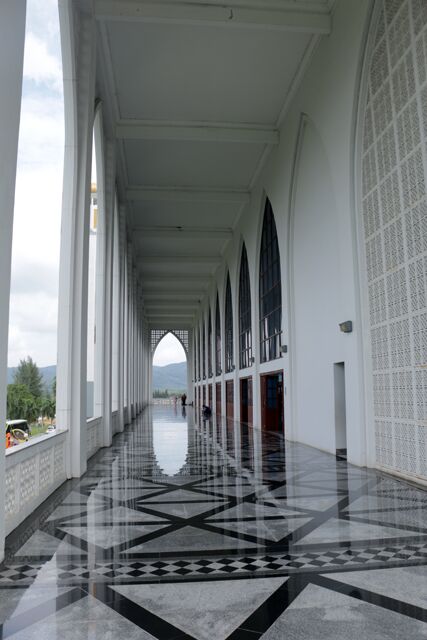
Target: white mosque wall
{"x": 308, "y": 180}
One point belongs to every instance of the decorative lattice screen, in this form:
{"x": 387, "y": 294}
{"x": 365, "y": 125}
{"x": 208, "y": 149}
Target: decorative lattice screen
{"x": 158, "y": 334}
{"x": 394, "y": 204}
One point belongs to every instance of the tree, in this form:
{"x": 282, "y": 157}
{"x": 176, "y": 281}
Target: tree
{"x": 28, "y": 374}
{"x": 47, "y": 407}
{"x": 21, "y": 404}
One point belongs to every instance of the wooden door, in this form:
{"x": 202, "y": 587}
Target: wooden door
{"x": 246, "y": 417}
{"x": 218, "y": 398}
{"x": 229, "y": 414}
{"x": 229, "y": 398}
{"x": 246, "y": 404}
{"x": 272, "y": 402}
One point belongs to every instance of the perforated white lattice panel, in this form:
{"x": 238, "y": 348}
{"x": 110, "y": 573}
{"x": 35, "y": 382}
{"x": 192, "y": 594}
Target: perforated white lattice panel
{"x": 58, "y": 461}
{"x": 45, "y": 469}
{"x": 158, "y": 334}
{"x": 28, "y": 489}
{"x": 394, "y": 213}
{"x": 11, "y": 488}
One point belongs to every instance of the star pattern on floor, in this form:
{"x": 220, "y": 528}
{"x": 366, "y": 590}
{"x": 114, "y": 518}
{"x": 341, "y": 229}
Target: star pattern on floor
{"x": 219, "y": 549}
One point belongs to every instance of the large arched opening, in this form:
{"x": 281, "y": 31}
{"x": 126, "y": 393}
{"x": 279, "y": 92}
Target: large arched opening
{"x": 169, "y": 366}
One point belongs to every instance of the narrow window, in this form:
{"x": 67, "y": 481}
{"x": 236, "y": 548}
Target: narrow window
{"x": 228, "y": 328}
{"x": 270, "y": 289}
{"x": 204, "y": 350}
{"x": 245, "y": 320}
{"x": 209, "y": 344}
{"x": 217, "y": 338}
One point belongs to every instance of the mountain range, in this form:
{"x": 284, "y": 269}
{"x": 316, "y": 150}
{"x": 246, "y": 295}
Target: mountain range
{"x": 171, "y": 376}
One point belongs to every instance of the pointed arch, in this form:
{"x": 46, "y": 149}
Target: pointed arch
{"x": 203, "y": 330}
{"x": 210, "y": 370}
{"x": 228, "y": 327}
{"x": 157, "y": 336}
{"x": 245, "y": 316}
{"x": 270, "y": 289}
{"x": 218, "y": 369}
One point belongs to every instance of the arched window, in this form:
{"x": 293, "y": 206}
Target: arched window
{"x": 217, "y": 338}
{"x": 245, "y": 319}
{"x": 270, "y": 289}
{"x": 228, "y": 328}
{"x": 195, "y": 357}
{"x": 198, "y": 353}
{"x": 209, "y": 343}
{"x": 204, "y": 350}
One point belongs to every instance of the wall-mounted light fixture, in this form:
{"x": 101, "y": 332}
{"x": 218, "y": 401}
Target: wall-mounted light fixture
{"x": 284, "y": 349}
{"x": 252, "y": 360}
{"x": 346, "y": 327}
{"x": 233, "y": 368}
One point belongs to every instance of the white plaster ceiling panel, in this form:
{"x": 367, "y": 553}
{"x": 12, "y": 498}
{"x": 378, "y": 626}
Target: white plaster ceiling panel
{"x": 187, "y": 73}
{"x": 177, "y": 269}
{"x": 180, "y": 246}
{"x": 197, "y": 164}
{"x": 185, "y": 214}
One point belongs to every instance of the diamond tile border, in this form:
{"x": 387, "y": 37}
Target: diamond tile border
{"x": 271, "y": 564}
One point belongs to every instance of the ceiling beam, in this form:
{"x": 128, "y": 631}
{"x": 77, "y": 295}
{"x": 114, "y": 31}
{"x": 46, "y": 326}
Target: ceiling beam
{"x": 170, "y": 280}
{"x": 166, "y": 304}
{"x": 169, "y": 316}
{"x": 195, "y": 132}
{"x": 174, "y": 311}
{"x": 169, "y": 259}
{"x": 225, "y": 14}
{"x": 171, "y": 294}
{"x": 170, "y": 326}
{"x": 180, "y": 194}
{"x": 182, "y": 233}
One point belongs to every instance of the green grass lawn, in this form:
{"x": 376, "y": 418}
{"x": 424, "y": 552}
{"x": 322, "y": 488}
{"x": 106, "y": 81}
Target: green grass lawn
{"x": 38, "y": 429}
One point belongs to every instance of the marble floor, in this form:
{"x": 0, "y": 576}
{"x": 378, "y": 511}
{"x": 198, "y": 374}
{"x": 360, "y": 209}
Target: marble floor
{"x": 189, "y": 529}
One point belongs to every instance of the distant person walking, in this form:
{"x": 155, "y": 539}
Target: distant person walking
{"x": 183, "y": 399}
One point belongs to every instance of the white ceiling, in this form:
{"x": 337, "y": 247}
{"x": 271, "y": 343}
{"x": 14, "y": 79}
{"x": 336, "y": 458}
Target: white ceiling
{"x": 196, "y": 92}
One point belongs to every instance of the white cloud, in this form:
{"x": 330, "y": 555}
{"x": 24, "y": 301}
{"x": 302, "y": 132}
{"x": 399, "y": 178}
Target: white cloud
{"x": 38, "y": 196}
{"x": 168, "y": 350}
{"x": 33, "y": 330}
{"x": 40, "y": 66}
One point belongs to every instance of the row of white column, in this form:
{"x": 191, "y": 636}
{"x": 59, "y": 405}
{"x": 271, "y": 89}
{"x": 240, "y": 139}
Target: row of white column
{"x": 122, "y": 354}
{"x": 12, "y": 37}
{"x": 119, "y": 317}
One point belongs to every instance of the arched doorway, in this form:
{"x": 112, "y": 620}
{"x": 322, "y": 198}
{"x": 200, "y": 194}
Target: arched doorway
{"x": 169, "y": 351}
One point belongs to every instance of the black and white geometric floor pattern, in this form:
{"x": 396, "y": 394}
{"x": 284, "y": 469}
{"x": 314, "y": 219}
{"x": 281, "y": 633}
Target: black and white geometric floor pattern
{"x": 174, "y": 533}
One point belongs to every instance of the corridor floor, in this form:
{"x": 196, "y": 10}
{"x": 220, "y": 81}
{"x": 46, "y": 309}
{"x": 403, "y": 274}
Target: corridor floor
{"x": 175, "y": 533}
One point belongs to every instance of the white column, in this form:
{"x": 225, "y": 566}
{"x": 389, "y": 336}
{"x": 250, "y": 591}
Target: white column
{"x": 128, "y": 335}
{"x": 115, "y": 362}
{"x": 79, "y": 59}
{"x": 190, "y": 371}
{"x": 12, "y": 37}
{"x": 101, "y": 240}
{"x": 107, "y": 359}
{"x": 121, "y": 302}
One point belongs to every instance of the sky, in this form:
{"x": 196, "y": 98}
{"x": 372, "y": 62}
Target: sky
{"x": 168, "y": 350}
{"x": 37, "y": 217}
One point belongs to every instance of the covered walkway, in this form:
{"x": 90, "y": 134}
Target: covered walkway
{"x": 261, "y": 193}
{"x": 173, "y": 532}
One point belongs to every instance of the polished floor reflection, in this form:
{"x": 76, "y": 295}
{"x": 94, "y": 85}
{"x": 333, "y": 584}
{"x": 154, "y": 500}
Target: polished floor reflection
{"x": 187, "y": 528}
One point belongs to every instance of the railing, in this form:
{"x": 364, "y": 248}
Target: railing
{"x": 94, "y": 436}
{"x": 33, "y": 471}
{"x": 115, "y": 422}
